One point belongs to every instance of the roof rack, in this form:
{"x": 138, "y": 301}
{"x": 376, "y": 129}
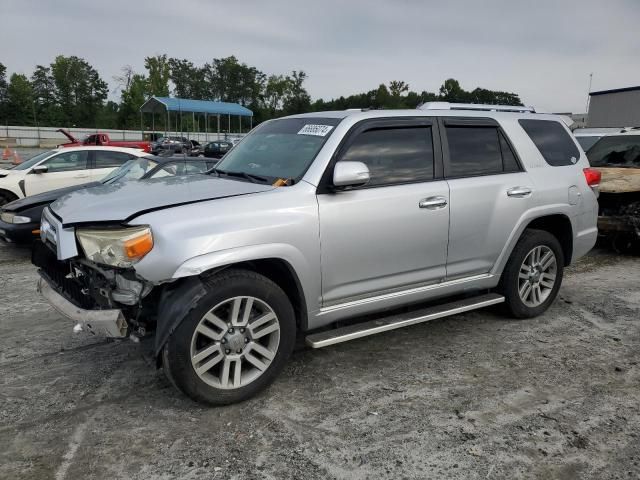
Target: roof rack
{"x": 474, "y": 106}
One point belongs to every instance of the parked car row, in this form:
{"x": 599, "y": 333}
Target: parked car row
{"x": 182, "y": 145}
{"x": 34, "y": 184}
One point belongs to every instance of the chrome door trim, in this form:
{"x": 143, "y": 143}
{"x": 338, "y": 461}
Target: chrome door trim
{"x": 402, "y": 293}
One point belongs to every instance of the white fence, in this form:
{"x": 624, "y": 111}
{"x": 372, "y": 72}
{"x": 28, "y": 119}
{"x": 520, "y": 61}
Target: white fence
{"x": 48, "y": 137}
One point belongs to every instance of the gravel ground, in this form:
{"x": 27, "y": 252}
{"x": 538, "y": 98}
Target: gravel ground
{"x": 474, "y": 396}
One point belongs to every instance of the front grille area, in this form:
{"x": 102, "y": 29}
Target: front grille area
{"x": 59, "y": 275}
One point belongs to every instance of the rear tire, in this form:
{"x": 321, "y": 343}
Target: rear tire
{"x": 533, "y": 274}
{"x": 234, "y": 342}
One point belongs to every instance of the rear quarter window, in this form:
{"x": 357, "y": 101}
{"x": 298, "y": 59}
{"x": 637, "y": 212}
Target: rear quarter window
{"x": 553, "y": 141}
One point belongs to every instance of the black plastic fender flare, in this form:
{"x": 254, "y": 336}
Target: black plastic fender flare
{"x": 176, "y": 302}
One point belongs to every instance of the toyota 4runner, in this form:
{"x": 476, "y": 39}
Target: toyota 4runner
{"x": 315, "y": 224}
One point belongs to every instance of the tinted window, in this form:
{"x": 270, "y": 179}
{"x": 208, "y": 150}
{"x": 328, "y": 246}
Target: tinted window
{"x": 552, "y": 140}
{"x": 509, "y": 162}
{"x": 107, "y": 159}
{"x": 473, "y": 151}
{"x": 394, "y": 155}
{"x": 67, "y": 161}
{"x": 616, "y": 151}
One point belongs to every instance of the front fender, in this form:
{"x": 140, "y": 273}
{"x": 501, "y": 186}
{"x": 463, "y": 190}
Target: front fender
{"x": 308, "y": 275}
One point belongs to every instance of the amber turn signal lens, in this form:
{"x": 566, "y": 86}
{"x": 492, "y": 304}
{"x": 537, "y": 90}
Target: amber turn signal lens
{"x": 138, "y": 247}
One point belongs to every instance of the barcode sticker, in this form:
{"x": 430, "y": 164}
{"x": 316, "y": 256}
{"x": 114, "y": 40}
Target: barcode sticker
{"x": 317, "y": 130}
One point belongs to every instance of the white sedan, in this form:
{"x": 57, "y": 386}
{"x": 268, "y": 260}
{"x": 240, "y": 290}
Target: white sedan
{"x": 60, "y": 168}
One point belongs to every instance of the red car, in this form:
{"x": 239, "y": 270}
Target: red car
{"x": 102, "y": 139}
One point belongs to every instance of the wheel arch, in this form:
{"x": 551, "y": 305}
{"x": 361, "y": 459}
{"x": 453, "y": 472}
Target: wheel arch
{"x": 558, "y": 223}
{"x": 10, "y": 193}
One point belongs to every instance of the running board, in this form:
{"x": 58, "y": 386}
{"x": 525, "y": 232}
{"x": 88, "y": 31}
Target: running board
{"x": 351, "y": 332}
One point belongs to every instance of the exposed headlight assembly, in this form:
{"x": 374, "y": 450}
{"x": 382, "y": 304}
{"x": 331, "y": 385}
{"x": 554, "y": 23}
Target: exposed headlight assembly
{"x": 120, "y": 247}
{"x": 9, "y": 217}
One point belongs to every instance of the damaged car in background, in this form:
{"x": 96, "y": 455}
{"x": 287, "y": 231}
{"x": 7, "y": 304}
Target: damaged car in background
{"x": 617, "y": 157}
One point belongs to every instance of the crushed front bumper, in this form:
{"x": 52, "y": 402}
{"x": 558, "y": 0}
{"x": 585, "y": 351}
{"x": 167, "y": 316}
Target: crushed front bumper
{"x": 108, "y": 323}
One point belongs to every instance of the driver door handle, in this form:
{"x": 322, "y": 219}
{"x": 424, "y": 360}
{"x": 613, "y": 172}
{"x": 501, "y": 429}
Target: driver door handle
{"x": 433, "y": 203}
{"x": 519, "y": 192}
{"x": 82, "y": 175}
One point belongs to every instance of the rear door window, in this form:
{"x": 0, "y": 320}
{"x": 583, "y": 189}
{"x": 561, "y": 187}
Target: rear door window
{"x": 616, "y": 151}
{"x": 473, "y": 151}
{"x": 394, "y": 155}
{"x": 553, "y": 141}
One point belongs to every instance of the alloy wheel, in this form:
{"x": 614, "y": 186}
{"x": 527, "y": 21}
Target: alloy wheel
{"x": 537, "y": 276}
{"x": 235, "y": 342}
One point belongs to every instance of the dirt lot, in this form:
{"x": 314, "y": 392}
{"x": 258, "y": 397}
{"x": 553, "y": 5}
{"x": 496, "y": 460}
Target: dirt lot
{"x": 474, "y": 396}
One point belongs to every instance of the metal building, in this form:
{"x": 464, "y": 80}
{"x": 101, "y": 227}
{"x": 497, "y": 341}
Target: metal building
{"x": 614, "y": 108}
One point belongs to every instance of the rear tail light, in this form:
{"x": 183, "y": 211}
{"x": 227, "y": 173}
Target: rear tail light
{"x": 592, "y": 176}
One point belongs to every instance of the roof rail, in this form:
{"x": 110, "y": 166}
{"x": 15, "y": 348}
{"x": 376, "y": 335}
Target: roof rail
{"x": 474, "y": 106}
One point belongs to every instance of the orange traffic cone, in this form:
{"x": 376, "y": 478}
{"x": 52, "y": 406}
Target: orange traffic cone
{"x": 17, "y": 160}
{"x": 6, "y": 154}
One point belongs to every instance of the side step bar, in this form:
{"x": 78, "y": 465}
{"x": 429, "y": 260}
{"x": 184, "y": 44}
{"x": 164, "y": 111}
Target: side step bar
{"x": 351, "y": 332}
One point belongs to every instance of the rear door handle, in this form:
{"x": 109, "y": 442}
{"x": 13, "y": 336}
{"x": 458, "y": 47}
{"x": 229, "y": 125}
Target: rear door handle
{"x": 433, "y": 203}
{"x": 519, "y": 192}
{"x": 86, "y": 175}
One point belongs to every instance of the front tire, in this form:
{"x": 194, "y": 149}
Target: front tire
{"x": 533, "y": 274}
{"x": 234, "y": 342}
{"x": 7, "y": 197}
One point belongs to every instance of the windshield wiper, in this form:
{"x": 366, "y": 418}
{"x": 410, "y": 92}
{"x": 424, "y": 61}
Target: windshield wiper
{"x": 248, "y": 176}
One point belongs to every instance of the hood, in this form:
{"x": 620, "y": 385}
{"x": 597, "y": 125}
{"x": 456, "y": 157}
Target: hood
{"x": 68, "y": 135}
{"x": 123, "y": 201}
{"x": 619, "y": 180}
{"x": 44, "y": 198}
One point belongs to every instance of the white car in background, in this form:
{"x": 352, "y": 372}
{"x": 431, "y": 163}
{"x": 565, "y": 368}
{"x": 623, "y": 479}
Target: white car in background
{"x": 60, "y": 168}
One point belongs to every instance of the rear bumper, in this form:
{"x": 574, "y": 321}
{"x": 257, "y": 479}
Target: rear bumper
{"x": 18, "y": 233}
{"x": 107, "y": 323}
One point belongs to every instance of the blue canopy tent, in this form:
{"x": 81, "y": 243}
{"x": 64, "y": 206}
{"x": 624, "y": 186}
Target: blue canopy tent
{"x": 207, "y": 108}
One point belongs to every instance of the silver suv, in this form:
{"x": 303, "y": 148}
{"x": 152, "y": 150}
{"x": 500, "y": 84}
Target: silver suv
{"x": 315, "y": 224}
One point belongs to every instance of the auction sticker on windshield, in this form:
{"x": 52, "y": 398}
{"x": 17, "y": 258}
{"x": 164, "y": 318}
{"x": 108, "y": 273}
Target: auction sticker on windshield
{"x": 317, "y": 130}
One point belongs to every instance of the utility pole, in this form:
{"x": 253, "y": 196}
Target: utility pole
{"x": 588, "y": 93}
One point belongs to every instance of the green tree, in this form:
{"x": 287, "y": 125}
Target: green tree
{"x": 132, "y": 99}
{"x": 228, "y": 80}
{"x": 158, "y": 72}
{"x": 451, "y": 91}
{"x": 19, "y": 101}
{"x": 79, "y": 90}
{"x": 398, "y": 87}
{"x": 275, "y": 91}
{"x": 188, "y": 80}
{"x": 3, "y": 92}
{"x": 48, "y": 111}
{"x": 297, "y": 99}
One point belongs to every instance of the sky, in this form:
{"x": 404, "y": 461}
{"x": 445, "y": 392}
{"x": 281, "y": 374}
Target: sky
{"x": 543, "y": 50}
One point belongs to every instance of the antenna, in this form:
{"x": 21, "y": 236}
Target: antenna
{"x": 589, "y": 93}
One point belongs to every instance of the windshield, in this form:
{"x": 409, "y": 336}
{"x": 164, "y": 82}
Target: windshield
{"x": 587, "y": 142}
{"x": 34, "y": 160}
{"x": 279, "y": 148}
{"x": 616, "y": 151}
{"x": 131, "y": 170}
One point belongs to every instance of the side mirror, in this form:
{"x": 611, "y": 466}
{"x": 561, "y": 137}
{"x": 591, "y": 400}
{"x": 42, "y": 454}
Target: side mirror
{"x": 350, "y": 174}
{"x": 40, "y": 169}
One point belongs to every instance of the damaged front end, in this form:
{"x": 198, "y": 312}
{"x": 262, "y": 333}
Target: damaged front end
{"x": 106, "y": 301}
